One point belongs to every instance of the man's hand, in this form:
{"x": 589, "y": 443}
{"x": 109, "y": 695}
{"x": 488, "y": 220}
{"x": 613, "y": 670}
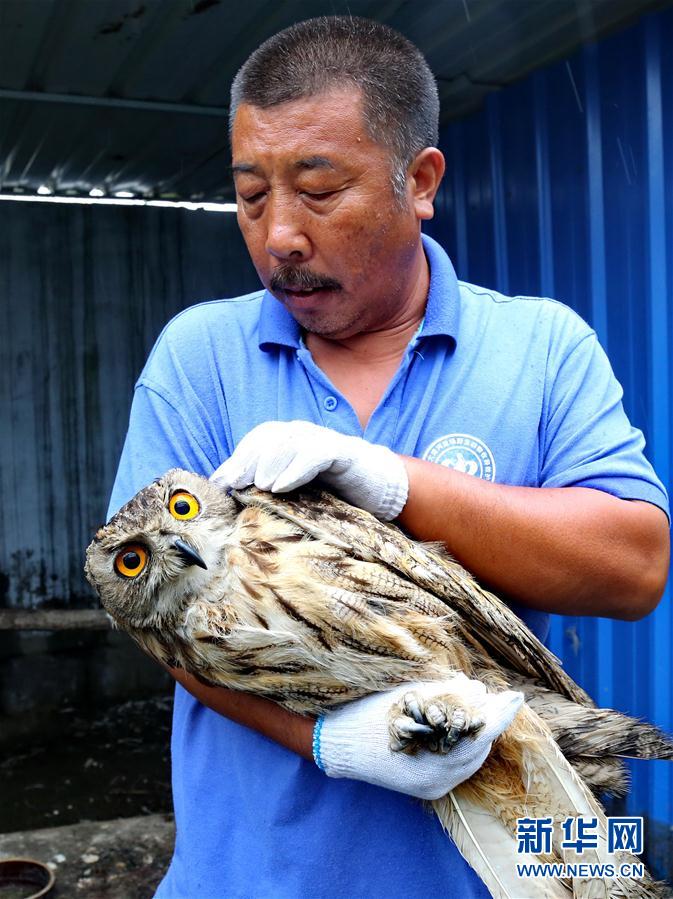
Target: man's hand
{"x": 281, "y": 455}
{"x": 456, "y": 718}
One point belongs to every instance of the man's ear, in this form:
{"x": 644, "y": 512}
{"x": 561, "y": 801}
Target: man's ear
{"x": 425, "y": 174}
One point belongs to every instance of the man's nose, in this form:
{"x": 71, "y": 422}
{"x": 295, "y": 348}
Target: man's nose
{"x": 286, "y": 236}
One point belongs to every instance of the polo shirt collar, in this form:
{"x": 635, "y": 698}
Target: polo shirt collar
{"x": 276, "y": 325}
{"x": 442, "y": 312}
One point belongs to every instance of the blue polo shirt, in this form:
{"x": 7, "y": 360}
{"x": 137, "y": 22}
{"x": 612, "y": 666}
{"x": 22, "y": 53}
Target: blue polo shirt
{"x": 514, "y": 390}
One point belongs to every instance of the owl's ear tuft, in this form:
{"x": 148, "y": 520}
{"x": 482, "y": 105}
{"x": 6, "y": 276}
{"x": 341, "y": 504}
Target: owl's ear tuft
{"x": 177, "y": 473}
{"x": 87, "y": 566}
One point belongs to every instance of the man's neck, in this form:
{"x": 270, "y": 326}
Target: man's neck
{"x": 370, "y": 346}
{"x": 361, "y": 366}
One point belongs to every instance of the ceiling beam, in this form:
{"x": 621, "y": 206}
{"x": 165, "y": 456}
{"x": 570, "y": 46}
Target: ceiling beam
{"x": 115, "y": 102}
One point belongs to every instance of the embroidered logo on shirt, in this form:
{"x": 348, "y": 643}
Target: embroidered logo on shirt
{"x": 463, "y": 452}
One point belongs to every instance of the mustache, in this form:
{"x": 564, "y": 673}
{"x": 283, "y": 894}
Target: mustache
{"x": 289, "y": 277}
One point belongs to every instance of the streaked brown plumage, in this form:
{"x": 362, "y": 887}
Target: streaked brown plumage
{"x": 312, "y": 602}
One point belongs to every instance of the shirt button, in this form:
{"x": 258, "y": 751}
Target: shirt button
{"x": 330, "y": 403}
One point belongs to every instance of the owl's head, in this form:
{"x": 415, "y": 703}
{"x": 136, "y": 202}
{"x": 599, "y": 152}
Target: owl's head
{"x": 161, "y": 550}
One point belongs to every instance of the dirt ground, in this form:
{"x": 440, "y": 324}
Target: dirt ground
{"x": 120, "y": 859}
{"x": 91, "y": 799}
{"x": 92, "y": 766}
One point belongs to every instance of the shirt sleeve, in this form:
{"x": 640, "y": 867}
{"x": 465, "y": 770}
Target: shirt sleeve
{"x": 179, "y": 416}
{"x": 587, "y": 440}
{"x": 159, "y": 437}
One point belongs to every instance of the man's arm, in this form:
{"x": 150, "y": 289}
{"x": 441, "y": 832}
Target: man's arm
{"x": 294, "y": 732}
{"x": 570, "y": 550}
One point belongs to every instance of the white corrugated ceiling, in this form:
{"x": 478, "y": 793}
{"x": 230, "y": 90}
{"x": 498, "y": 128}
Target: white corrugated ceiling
{"x": 132, "y": 94}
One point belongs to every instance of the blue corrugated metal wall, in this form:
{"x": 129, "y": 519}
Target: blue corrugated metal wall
{"x": 84, "y": 293}
{"x": 563, "y": 186}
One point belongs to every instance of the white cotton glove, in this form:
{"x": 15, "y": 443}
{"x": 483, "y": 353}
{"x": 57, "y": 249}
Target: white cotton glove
{"x": 281, "y": 455}
{"x": 353, "y": 741}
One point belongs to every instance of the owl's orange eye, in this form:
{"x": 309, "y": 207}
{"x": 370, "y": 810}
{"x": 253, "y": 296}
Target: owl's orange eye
{"x": 183, "y": 506}
{"x": 131, "y": 560}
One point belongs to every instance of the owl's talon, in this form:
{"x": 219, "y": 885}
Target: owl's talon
{"x": 457, "y": 725}
{"x": 434, "y": 724}
{"x": 412, "y": 707}
{"x": 436, "y": 715}
{"x": 405, "y": 731}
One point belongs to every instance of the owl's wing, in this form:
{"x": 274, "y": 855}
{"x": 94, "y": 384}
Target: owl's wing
{"x": 360, "y": 534}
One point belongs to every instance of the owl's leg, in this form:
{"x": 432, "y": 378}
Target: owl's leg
{"x": 435, "y": 723}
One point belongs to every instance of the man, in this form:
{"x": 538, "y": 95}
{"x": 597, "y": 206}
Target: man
{"x": 489, "y": 423}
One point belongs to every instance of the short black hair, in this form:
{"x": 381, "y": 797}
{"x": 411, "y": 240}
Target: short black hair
{"x": 400, "y": 102}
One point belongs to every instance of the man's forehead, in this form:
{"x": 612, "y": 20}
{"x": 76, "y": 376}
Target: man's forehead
{"x": 316, "y": 132}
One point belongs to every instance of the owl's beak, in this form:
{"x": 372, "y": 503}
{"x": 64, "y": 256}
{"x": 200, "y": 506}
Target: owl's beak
{"x": 188, "y": 554}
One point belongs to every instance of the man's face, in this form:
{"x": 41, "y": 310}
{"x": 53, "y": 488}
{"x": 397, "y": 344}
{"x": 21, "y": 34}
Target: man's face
{"x": 316, "y": 208}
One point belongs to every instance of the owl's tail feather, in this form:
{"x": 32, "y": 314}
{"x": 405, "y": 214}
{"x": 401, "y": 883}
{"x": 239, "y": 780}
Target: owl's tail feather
{"x": 582, "y": 731}
{"x": 594, "y": 740}
{"x": 606, "y": 776}
{"x": 572, "y": 798}
{"x": 547, "y": 787}
{"x": 491, "y": 850}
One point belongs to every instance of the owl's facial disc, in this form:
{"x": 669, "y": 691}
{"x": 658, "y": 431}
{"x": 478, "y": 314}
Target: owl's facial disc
{"x": 169, "y": 540}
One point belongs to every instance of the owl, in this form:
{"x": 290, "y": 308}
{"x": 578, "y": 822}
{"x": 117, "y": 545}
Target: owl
{"x": 311, "y": 602}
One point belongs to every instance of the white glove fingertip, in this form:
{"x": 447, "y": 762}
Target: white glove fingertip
{"x": 501, "y": 711}
{"x": 227, "y": 476}
{"x": 268, "y": 470}
{"x": 301, "y": 471}
{"x": 238, "y": 483}
{"x": 283, "y": 484}
{"x": 510, "y": 702}
{"x": 272, "y": 463}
